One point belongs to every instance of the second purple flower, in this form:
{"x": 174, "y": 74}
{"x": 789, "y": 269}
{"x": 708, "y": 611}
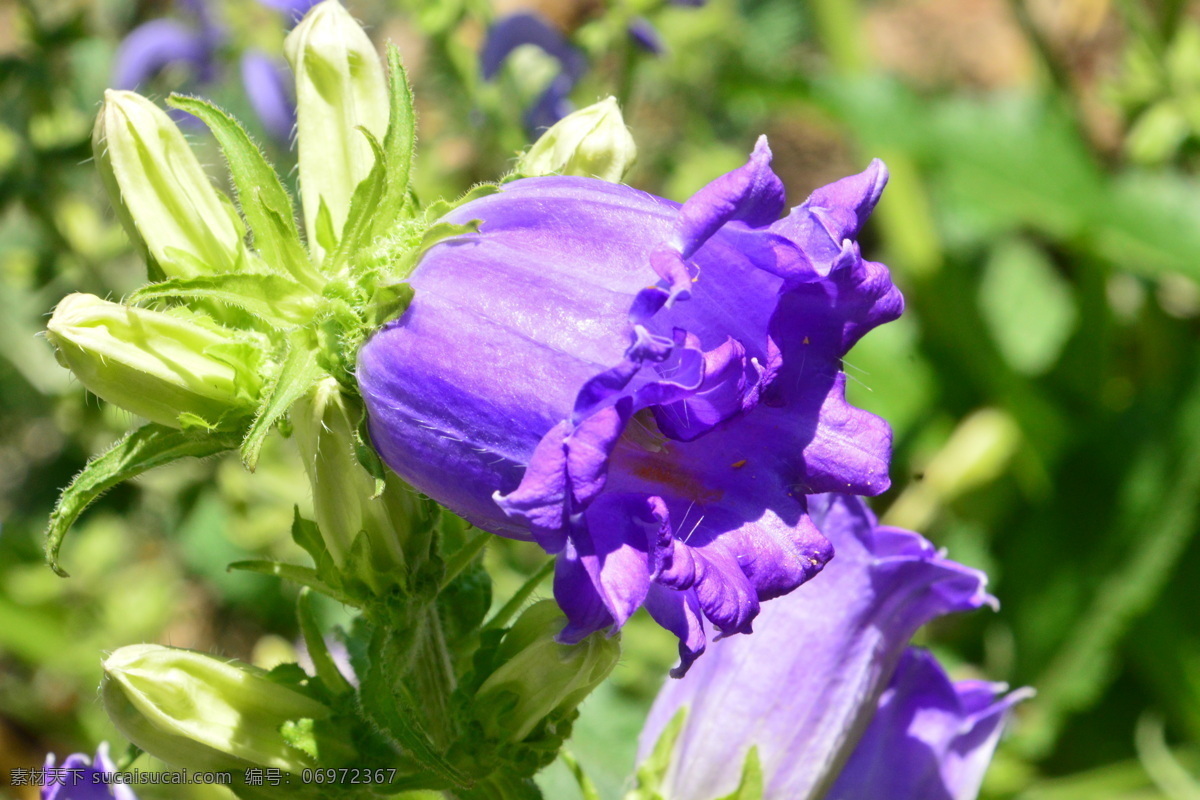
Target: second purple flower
{"x": 647, "y": 390}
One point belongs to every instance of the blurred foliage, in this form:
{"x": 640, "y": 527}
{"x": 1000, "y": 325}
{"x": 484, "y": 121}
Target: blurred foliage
{"x": 1043, "y": 221}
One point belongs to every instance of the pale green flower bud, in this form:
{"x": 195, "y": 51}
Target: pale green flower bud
{"x": 538, "y": 678}
{"x": 164, "y": 199}
{"x": 155, "y": 364}
{"x": 195, "y": 710}
{"x": 592, "y": 142}
{"x": 344, "y": 492}
{"x": 340, "y": 86}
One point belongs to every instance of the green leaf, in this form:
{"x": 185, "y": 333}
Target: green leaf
{"x": 440, "y": 208}
{"x": 751, "y": 785}
{"x": 586, "y": 787}
{"x": 297, "y": 374}
{"x": 1027, "y": 305}
{"x": 265, "y": 203}
{"x": 145, "y": 448}
{"x": 650, "y": 773}
{"x": 275, "y": 298}
{"x": 327, "y": 670}
{"x": 296, "y": 573}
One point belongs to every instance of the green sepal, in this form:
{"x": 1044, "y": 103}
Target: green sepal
{"x": 296, "y": 573}
{"x": 389, "y": 301}
{"x": 652, "y": 771}
{"x": 750, "y": 787}
{"x": 274, "y": 298}
{"x": 399, "y": 146}
{"x": 365, "y": 204}
{"x": 586, "y": 787}
{"x": 440, "y": 208}
{"x": 138, "y": 451}
{"x": 435, "y": 233}
{"x": 367, "y": 456}
{"x": 325, "y": 235}
{"x": 331, "y": 677}
{"x": 265, "y": 203}
{"x": 298, "y": 372}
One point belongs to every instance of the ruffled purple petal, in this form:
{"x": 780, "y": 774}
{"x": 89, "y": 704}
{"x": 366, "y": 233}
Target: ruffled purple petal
{"x": 152, "y": 46}
{"x": 592, "y": 340}
{"x": 804, "y": 686}
{"x": 80, "y": 778}
{"x": 265, "y": 79}
{"x": 930, "y": 739}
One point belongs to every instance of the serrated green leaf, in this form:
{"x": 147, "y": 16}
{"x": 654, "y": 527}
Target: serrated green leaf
{"x": 327, "y": 670}
{"x": 274, "y": 298}
{"x": 385, "y": 703}
{"x": 265, "y": 203}
{"x": 145, "y": 448}
{"x": 297, "y": 374}
{"x": 296, "y": 573}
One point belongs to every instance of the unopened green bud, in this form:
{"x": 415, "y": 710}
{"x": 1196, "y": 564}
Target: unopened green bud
{"x": 162, "y": 195}
{"x": 346, "y": 498}
{"x": 592, "y": 142}
{"x": 203, "y": 712}
{"x": 340, "y": 87}
{"x": 155, "y": 364}
{"x": 538, "y": 678}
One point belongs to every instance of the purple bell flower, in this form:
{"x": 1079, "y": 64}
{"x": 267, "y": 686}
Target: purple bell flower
{"x": 512, "y": 31}
{"x": 805, "y": 687}
{"x": 82, "y": 779}
{"x": 930, "y": 739}
{"x": 645, "y": 389}
{"x": 160, "y": 43}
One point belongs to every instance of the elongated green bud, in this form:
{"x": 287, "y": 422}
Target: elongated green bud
{"x": 195, "y": 710}
{"x": 538, "y": 678}
{"x": 164, "y": 199}
{"x": 346, "y": 498}
{"x": 592, "y": 142}
{"x": 155, "y": 364}
{"x": 340, "y": 86}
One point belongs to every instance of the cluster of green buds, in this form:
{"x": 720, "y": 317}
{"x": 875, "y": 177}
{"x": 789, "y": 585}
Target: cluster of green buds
{"x": 245, "y": 327}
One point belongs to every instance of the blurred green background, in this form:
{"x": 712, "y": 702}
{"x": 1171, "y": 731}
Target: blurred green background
{"x": 1043, "y": 221}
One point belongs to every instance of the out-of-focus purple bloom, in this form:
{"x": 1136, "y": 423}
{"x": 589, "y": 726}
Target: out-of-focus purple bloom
{"x": 549, "y": 382}
{"x": 80, "y": 778}
{"x": 512, "y": 31}
{"x": 158, "y": 44}
{"x": 930, "y": 739}
{"x": 265, "y": 79}
{"x": 804, "y": 688}
{"x": 645, "y": 35}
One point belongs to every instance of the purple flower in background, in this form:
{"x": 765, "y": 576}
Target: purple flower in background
{"x": 805, "y": 687}
{"x": 647, "y": 390}
{"x": 79, "y": 779}
{"x": 512, "y": 31}
{"x": 930, "y": 739}
{"x": 160, "y": 43}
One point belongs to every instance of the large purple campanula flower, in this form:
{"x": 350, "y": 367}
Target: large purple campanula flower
{"x": 829, "y": 663}
{"x": 647, "y": 390}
